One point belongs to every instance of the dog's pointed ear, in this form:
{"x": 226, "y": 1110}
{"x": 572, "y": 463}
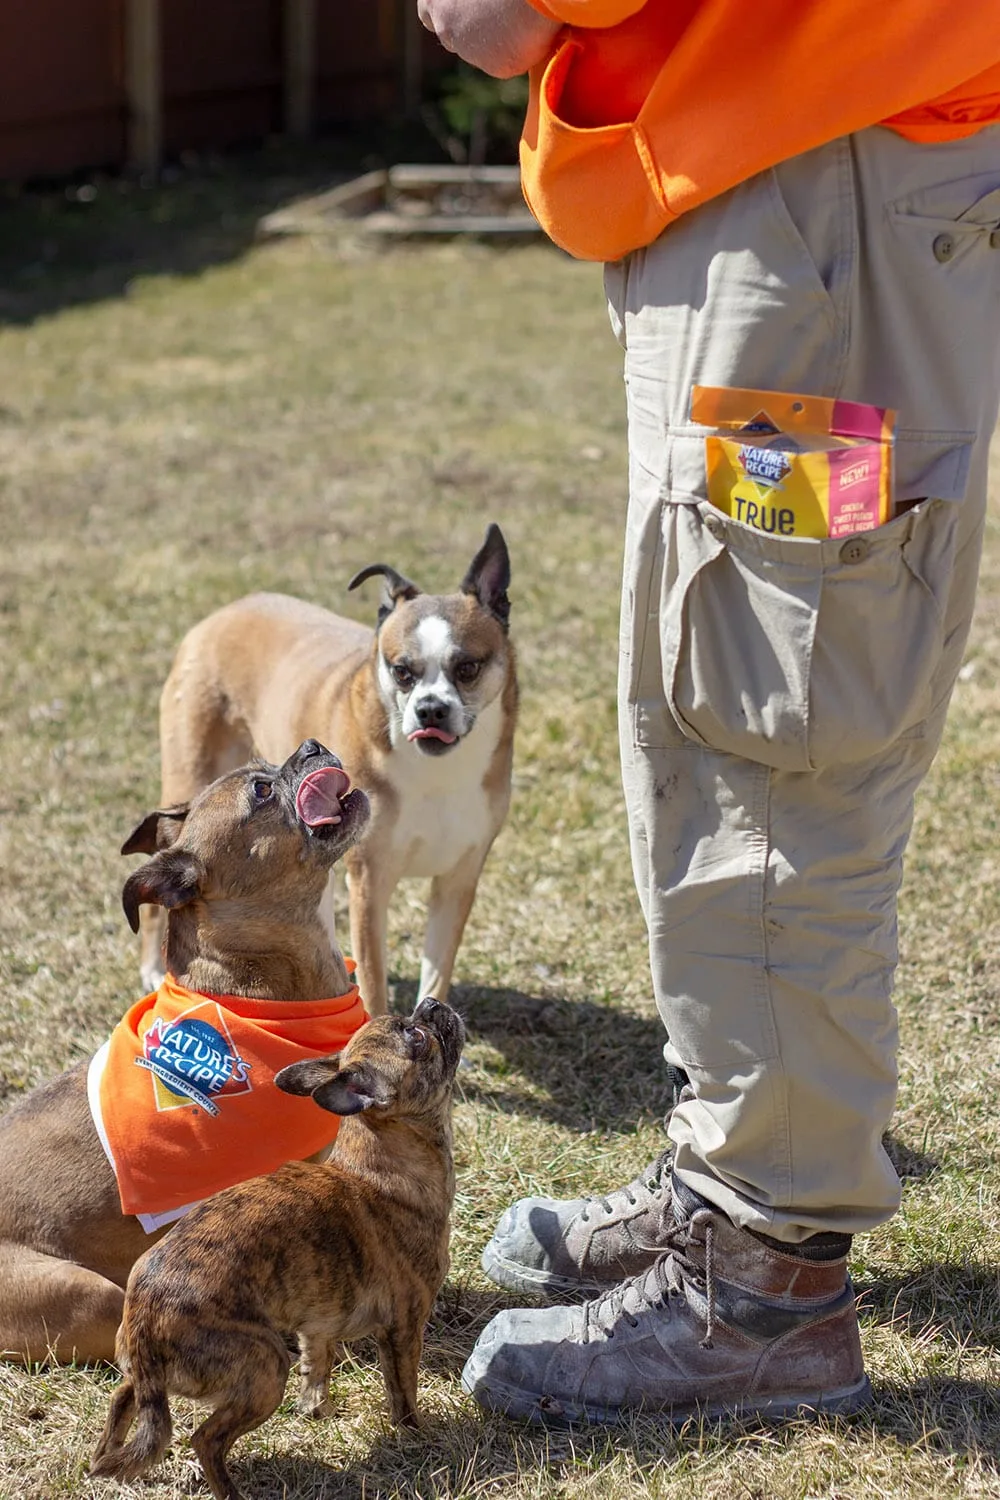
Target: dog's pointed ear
{"x": 158, "y": 830}
{"x": 171, "y": 879}
{"x": 341, "y": 1091}
{"x": 394, "y": 588}
{"x": 488, "y": 578}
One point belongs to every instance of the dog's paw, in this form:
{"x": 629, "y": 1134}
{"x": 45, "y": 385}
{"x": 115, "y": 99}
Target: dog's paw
{"x": 314, "y": 1404}
{"x": 151, "y": 977}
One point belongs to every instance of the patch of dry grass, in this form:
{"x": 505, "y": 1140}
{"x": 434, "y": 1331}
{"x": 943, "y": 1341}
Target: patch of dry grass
{"x": 275, "y": 417}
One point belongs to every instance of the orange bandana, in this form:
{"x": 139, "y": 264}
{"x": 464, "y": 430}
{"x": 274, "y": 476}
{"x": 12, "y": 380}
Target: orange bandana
{"x": 185, "y": 1104}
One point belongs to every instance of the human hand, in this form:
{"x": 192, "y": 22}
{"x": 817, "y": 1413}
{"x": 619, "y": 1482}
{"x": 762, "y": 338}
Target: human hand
{"x": 502, "y": 37}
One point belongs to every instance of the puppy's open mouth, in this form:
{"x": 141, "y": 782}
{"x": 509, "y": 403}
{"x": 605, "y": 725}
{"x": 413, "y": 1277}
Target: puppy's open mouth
{"x": 319, "y": 796}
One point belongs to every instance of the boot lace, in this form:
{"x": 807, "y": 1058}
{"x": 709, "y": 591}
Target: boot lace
{"x": 664, "y": 1279}
{"x": 655, "y": 1179}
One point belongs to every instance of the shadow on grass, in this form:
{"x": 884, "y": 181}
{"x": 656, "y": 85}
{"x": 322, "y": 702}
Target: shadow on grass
{"x": 954, "y": 1303}
{"x": 601, "y": 1066}
{"x": 911, "y": 1165}
{"x": 469, "y": 1452}
{"x": 62, "y": 245}
{"x": 461, "y": 1312}
{"x": 465, "y": 1451}
{"x": 596, "y": 1067}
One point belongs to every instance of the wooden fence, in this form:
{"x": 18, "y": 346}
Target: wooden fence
{"x": 122, "y": 83}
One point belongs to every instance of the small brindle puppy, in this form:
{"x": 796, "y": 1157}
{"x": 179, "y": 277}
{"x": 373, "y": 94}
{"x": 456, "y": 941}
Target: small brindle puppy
{"x": 351, "y": 1248}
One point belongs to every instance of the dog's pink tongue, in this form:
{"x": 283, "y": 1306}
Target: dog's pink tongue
{"x": 317, "y": 800}
{"x": 433, "y": 734}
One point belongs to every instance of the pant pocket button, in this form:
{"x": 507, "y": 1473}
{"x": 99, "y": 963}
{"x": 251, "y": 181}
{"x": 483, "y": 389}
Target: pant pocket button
{"x": 854, "y": 550}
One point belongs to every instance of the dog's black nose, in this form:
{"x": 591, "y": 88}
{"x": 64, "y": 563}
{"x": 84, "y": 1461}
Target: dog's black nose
{"x": 310, "y": 750}
{"x": 431, "y": 712}
{"x": 446, "y": 1023}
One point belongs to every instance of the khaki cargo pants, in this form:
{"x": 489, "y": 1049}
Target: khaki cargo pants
{"x": 781, "y": 700}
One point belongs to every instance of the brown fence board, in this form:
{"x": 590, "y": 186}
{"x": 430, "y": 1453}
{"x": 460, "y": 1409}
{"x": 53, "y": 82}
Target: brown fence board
{"x": 61, "y": 98}
{"x": 222, "y": 71}
{"x": 222, "y": 75}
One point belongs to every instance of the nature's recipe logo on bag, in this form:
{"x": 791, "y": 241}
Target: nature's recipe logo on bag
{"x": 815, "y": 468}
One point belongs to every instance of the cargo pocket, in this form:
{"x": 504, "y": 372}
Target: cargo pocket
{"x": 800, "y": 654}
{"x": 943, "y": 251}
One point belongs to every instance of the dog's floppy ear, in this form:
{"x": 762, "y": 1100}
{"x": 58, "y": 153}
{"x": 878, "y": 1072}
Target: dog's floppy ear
{"x": 342, "y": 1091}
{"x": 158, "y": 830}
{"x": 305, "y": 1077}
{"x": 488, "y": 578}
{"x": 171, "y": 879}
{"x": 395, "y": 587}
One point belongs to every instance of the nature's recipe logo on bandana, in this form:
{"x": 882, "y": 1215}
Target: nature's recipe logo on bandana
{"x": 193, "y": 1058}
{"x": 183, "y": 1098}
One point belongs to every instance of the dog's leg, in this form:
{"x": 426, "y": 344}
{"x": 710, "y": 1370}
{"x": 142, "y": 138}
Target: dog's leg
{"x": 369, "y": 890}
{"x": 53, "y": 1309}
{"x": 327, "y": 909}
{"x": 399, "y": 1351}
{"x": 152, "y": 937}
{"x": 316, "y": 1362}
{"x": 197, "y": 745}
{"x": 448, "y": 910}
{"x": 243, "y": 1407}
{"x": 119, "y": 1421}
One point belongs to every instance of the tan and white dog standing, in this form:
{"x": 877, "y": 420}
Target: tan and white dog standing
{"x": 422, "y": 712}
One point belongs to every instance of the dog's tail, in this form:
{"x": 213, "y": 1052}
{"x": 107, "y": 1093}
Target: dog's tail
{"x": 141, "y": 1397}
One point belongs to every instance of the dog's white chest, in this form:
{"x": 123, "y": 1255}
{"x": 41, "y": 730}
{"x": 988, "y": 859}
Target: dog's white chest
{"x": 442, "y": 810}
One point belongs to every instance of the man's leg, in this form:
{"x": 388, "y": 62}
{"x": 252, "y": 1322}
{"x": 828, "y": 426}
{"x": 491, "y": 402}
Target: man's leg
{"x": 579, "y": 1247}
{"x": 782, "y": 701}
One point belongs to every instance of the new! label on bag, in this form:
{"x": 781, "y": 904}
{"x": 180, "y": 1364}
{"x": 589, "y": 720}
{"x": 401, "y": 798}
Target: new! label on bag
{"x": 797, "y": 466}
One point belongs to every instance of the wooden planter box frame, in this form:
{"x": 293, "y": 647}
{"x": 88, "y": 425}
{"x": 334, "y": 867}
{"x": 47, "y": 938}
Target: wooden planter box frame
{"x": 412, "y": 201}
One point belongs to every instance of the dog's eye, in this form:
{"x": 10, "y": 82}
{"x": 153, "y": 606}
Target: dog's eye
{"x": 417, "y": 1039}
{"x": 468, "y": 671}
{"x": 402, "y": 676}
{"x": 262, "y": 790}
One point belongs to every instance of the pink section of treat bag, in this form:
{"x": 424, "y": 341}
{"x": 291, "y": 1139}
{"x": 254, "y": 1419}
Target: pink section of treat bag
{"x": 857, "y": 487}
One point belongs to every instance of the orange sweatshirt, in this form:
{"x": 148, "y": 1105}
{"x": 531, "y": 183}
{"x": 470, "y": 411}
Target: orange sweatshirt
{"x": 647, "y": 108}
{"x": 183, "y": 1096}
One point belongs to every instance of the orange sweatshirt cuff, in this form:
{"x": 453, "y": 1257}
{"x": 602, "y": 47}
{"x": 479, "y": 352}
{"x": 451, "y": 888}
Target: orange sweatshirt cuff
{"x": 589, "y": 13}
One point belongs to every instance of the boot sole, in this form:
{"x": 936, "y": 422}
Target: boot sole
{"x": 514, "y": 1277}
{"x": 544, "y": 1411}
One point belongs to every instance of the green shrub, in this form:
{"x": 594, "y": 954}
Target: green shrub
{"x": 475, "y": 118}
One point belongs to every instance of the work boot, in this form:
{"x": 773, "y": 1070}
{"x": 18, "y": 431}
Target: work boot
{"x": 725, "y": 1322}
{"x": 579, "y": 1247}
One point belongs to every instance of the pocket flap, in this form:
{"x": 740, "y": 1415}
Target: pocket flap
{"x": 934, "y": 464}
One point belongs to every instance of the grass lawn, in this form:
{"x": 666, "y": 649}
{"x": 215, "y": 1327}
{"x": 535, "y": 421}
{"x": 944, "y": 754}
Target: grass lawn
{"x": 185, "y": 416}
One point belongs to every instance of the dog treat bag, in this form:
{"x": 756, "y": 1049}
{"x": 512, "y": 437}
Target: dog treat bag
{"x": 798, "y": 466}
